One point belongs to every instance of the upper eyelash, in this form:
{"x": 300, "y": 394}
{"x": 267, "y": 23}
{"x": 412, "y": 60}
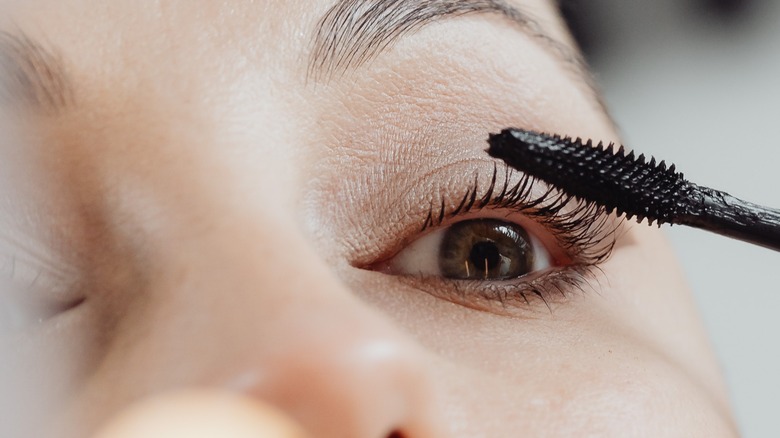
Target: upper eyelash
{"x": 579, "y": 226}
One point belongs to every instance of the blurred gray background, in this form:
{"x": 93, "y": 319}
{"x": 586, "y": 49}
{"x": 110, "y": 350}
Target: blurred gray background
{"x": 697, "y": 82}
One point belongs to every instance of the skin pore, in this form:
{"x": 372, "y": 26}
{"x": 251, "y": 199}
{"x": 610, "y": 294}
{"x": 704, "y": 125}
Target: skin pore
{"x": 209, "y": 205}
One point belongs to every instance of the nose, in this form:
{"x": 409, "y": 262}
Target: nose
{"x": 253, "y": 308}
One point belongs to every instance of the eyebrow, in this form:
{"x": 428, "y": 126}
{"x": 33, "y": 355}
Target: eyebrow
{"x": 353, "y": 32}
{"x": 32, "y": 76}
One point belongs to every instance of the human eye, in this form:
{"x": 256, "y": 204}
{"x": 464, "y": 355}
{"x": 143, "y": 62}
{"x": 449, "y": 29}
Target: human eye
{"x": 508, "y": 242}
{"x": 474, "y": 249}
{"x": 33, "y": 287}
{"x": 41, "y": 269}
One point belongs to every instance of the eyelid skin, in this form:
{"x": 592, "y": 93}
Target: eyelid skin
{"x": 36, "y": 282}
{"x": 32, "y": 291}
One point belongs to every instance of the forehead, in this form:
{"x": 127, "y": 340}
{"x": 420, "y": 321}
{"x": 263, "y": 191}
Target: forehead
{"x": 123, "y": 51}
{"x": 146, "y": 36}
{"x": 139, "y": 62}
{"x": 149, "y": 44}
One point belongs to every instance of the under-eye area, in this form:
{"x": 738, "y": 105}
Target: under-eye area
{"x": 511, "y": 242}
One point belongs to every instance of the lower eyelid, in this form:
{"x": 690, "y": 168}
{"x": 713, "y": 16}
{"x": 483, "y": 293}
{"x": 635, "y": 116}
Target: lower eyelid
{"x": 519, "y": 297}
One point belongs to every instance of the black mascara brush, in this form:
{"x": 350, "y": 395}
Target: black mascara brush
{"x": 633, "y": 186}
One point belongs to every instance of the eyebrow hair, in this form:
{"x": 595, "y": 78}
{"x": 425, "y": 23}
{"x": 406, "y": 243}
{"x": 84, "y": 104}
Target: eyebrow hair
{"x": 31, "y": 75}
{"x": 353, "y": 32}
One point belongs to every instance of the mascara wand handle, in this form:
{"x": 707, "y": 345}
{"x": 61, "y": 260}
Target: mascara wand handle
{"x": 724, "y": 214}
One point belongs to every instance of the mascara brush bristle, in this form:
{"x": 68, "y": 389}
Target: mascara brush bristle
{"x": 613, "y": 179}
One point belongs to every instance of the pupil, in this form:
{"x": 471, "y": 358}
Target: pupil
{"x": 485, "y": 251}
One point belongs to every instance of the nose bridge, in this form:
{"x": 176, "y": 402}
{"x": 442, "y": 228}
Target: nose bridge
{"x": 259, "y": 312}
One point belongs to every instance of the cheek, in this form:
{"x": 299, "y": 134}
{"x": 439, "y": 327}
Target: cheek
{"x": 647, "y": 298}
{"x": 626, "y": 392}
{"x": 581, "y": 370}
{"x": 638, "y": 398}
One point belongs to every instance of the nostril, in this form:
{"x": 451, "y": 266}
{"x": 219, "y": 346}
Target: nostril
{"x": 396, "y": 434}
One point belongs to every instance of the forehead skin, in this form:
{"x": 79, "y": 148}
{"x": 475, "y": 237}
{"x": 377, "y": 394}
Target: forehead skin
{"x": 217, "y": 192}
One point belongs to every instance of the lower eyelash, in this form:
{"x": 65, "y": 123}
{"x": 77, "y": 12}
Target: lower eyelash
{"x": 501, "y": 297}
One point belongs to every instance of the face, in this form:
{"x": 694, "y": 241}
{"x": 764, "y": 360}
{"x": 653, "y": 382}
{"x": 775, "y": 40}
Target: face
{"x": 281, "y": 200}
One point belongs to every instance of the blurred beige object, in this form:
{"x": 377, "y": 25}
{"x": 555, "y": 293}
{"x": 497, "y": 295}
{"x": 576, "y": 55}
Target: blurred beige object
{"x": 196, "y": 414}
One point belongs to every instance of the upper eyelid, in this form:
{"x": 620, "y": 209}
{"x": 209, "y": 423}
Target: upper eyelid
{"x": 380, "y": 223}
{"x": 468, "y": 201}
{"x": 34, "y": 281}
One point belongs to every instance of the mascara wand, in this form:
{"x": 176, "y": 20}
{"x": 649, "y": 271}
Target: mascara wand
{"x": 633, "y": 186}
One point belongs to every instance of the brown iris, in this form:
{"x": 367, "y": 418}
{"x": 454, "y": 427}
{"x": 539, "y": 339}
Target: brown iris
{"x": 485, "y": 249}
